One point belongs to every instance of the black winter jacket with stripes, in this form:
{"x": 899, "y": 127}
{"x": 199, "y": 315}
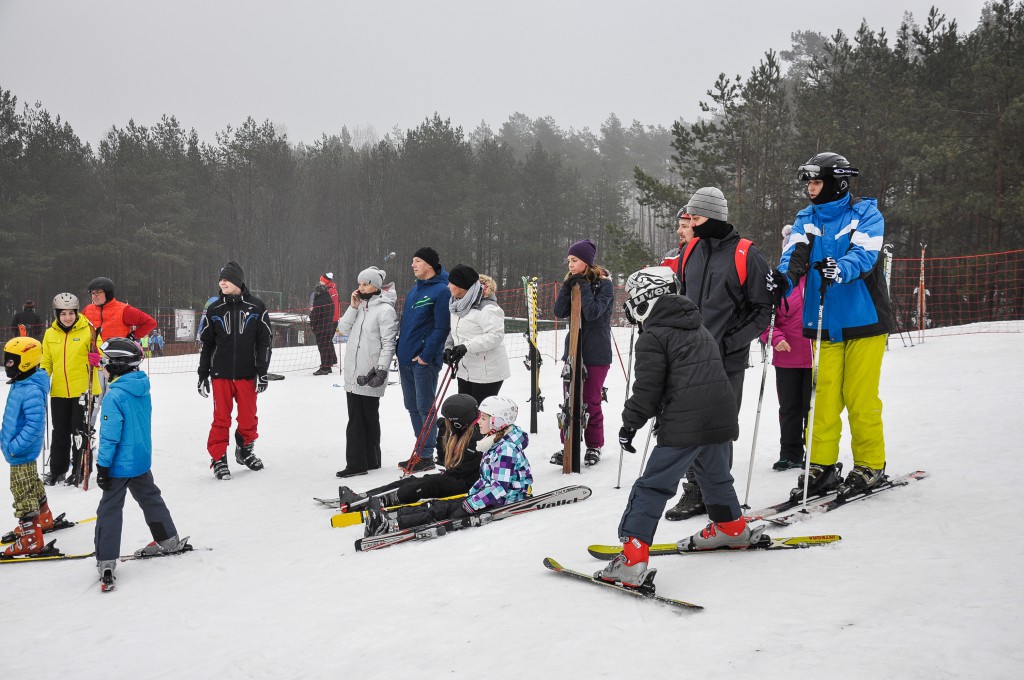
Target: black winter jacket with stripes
{"x": 236, "y": 337}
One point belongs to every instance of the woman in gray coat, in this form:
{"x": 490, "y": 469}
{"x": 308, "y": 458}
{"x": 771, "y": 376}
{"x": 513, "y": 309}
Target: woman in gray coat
{"x": 371, "y": 324}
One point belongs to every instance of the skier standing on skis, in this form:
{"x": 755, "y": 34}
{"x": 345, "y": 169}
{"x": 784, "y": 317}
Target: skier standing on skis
{"x": 371, "y": 324}
{"x": 459, "y": 436}
{"x": 125, "y": 458}
{"x": 680, "y": 381}
{"x": 504, "y": 476}
{"x": 839, "y": 238}
{"x": 237, "y": 341}
{"x": 21, "y": 439}
{"x": 475, "y": 348}
{"x": 596, "y": 300}
{"x": 734, "y": 308}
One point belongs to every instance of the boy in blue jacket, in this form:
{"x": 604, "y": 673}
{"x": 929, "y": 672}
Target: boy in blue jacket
{"x": 125, "y": 458}
{"x": 21, "y": 439}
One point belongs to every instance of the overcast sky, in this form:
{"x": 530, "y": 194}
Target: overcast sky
{"x": 312, "y": 66}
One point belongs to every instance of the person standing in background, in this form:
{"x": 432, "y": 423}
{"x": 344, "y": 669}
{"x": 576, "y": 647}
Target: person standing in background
{"x": 27, "y": 322}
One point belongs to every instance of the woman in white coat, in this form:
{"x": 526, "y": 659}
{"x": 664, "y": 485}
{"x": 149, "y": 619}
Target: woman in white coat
{"x": 371, "y": 324}
{"x": 476, "y": 344}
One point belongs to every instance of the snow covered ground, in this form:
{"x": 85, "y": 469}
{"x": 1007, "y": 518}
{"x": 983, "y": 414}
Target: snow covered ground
{"x": 925, "y": 583}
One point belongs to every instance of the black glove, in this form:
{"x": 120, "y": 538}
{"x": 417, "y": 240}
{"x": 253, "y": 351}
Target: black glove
{"x": 575, "y": 280}
{"x": 446, "y": 356}
{"x": 376, "y": 377}
{"x": 626, "y": 435}
{"x": 458, "y": 353}
{"x": 102, "y": 477}
{"x": 131, "y": 336}
{"x": 204, "y": 387}
{"x": 261, "y": 383}
{"x": 778, "y": 286}
{"x": 829, "y": 269}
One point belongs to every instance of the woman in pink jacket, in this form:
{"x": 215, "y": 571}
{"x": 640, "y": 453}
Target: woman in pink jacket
{"x": 792, "y": 360}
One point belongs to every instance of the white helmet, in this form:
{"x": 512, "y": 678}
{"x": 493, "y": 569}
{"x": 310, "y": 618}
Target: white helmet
{"x": 644, "y": 287}
{"x": 502, "y": 410}
{"x": 65, "y": 301}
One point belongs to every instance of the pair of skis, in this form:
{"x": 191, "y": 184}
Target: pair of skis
{"x": 50, "y": 552}
{"x": 571, "y": 418}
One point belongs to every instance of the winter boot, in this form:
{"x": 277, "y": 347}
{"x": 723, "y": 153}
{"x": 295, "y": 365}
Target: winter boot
{"x": 823, "y": 479}
{"x": 783, "y": 464}
{"x": 378, "y": 521}
{"x": 220, "y": 468}
{"x": 592, "y": 457}
{"x": 106, "y": 570}
{"x": 50, "y": 479}
{"x": 168, "y": 546}
{"x": 690, "y": 504}
{"x": 736, "y": 534}
{"x": 629, "y": 568}
{"x": 30, "y": 540}
{"x": 861, "y": 479}
{"x": 558, "y": 458}
{"x": 423, "y": 465}
{"x": 323, "y": 370}
{"x": 244, "y": 454}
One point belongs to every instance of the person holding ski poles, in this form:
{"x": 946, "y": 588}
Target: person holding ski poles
{"x": 425, "y": 326}
{"x": 597, "y": 298}
{"x": 835, "y": 243}
{"x": 475, "y": 348}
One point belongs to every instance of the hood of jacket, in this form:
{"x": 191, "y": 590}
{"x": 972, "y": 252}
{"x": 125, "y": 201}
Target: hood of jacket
{"x": 135, "y": 383}
{"x": 387, "y": 296}
{"x": 674, "y": 311}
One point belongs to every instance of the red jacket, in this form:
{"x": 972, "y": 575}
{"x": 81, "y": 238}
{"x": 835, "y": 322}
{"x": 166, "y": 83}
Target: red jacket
{"x": 333, "y": 290}
{"x": 115, "y": 319}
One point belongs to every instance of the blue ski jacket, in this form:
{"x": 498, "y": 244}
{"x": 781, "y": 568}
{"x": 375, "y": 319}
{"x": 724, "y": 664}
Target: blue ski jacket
{"x": 126, "y": 440}
{"x": 24, "y": 424}
{"x": 426, "y": 321}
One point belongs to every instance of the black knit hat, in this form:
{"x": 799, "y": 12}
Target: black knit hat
{"x": 463, "y": 276}
{"x": 232, "y": 272}
{"x": 430, "y": 256}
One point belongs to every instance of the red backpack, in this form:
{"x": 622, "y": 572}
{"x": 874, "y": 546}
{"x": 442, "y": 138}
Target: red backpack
{"x": 742, "y": 248}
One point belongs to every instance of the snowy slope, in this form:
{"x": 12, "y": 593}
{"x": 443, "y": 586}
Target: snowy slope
{"x": 924, "y": 584}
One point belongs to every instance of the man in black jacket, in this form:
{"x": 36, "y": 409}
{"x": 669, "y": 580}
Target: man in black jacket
{"x": 27, "y": 322}
{"x": 237, "y": 341}
{"x": 723, "y": 275}
{"x": 321, "y": 319}
{"x": 680, "y": 381}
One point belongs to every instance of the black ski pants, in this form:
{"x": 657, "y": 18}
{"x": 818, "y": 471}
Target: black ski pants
{"x": 793, "y": 385}
{"x": 362, "y": 435}
{"x": 68, "y": 416}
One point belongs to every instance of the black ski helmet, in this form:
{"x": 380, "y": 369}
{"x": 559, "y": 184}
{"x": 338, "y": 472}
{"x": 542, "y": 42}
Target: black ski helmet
{"x": 461, "y": 411}
{"x": 826, "y": 164}
{"x": 104, "y": 284}
{"x": 120, "y": 355}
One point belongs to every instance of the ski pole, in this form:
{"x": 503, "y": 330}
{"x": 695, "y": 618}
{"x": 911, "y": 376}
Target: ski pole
{"x": 814, "y": 390}
{"x": 632, "y": 333}
{"x": 760, "y": 400}
{"x": 643, "y": 460}
{"x": 421, "y": 438}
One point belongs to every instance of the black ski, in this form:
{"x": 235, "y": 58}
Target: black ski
{"x": 837, "y": 502}
{"x": 563, "y": 496}
{"x": 646, "y": 591}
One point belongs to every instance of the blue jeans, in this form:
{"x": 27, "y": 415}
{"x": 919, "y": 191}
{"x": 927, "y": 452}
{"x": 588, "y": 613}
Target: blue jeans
{"x": 419, "y": 384}
{"x": 656, "y": 486}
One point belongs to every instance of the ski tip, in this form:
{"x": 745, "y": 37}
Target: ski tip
{"x": 551, "y": 563}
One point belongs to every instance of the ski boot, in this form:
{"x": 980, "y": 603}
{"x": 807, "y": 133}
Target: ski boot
{"x": 168, "y": 546}
{"x": 244, "y": 454}
{"x": 860, "y": 480}
{"x": 690, "y": 504}
{"x": 558, "y": 458}
{"x": 50, "y": 479}
{"x": 30, "y": 538}
{"x": 347, "y": 496}
{"x": 220, "y": 468}
{"x": 824, "y": 478}
{"x": 378, "y": 521}
{"x": 629, "y": 568}
{"x": 736, "y": 534}
{"x": 592, "y": 457}
{"x": 106, "y": 570}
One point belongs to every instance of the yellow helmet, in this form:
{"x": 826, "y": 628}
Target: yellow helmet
{"x": 25, "y": 352}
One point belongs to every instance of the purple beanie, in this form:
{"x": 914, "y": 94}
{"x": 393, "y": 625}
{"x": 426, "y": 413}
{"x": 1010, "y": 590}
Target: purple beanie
{"x": 585, "y": 250}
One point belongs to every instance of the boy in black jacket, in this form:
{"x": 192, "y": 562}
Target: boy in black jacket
{"x": 237, "y": 341}
{"x": 680, "y": 381}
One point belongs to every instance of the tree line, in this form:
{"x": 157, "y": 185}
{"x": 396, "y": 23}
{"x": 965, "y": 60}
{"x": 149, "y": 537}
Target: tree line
{"x": 933, "y": 117}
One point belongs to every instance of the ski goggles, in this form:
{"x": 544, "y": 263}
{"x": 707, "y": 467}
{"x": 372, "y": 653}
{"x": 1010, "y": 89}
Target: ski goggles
{"x": 805, "y": 173}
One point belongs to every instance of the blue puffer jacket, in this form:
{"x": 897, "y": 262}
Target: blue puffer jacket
{"x": 24, "y": 426}
{"x": 851, "y": 231}
{"x": 126, "y": 440}
{"x": 425, "y": 321}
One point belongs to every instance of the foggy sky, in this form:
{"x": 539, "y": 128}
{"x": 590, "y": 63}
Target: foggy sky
{"x": 312, "y": 66}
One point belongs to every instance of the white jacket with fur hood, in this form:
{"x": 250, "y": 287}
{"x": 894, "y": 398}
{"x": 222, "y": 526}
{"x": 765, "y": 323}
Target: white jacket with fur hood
{"x": 480, "y": 326}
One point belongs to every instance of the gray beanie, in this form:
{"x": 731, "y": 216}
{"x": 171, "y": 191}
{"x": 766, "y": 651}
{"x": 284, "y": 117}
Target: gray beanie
{"x": 373, "y": 276}
{"x": 709, "y": 202}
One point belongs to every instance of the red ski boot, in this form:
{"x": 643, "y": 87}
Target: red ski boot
{"x": 30, "y": 540}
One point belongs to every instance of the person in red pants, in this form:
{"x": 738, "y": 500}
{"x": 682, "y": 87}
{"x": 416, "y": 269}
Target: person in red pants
{"x": 237, "y": 342}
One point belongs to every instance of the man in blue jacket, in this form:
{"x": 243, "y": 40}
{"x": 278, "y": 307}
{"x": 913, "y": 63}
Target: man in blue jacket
{"x": 124, "y": 461}
{"x": 426, "y": 321}
{"x": 837, "y": 240}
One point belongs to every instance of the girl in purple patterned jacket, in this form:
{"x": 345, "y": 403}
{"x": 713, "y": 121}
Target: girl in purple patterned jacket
{"x": 505, "y": 475}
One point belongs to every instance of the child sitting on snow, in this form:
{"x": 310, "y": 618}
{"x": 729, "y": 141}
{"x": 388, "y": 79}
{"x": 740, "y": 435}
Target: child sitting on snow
{"x": 505, "y": 475}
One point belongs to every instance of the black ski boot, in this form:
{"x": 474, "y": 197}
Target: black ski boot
{"x": 347, "y": 496}
{"x": 244, "y": 454}
{"x": 378, "y": 521}
{"x": 690, "y": 504}
{"x": 558, "y": 458}
{"x": 823, "y": 479}
{"x": 592, "y": 457}
{"x": 861, "y": 479}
